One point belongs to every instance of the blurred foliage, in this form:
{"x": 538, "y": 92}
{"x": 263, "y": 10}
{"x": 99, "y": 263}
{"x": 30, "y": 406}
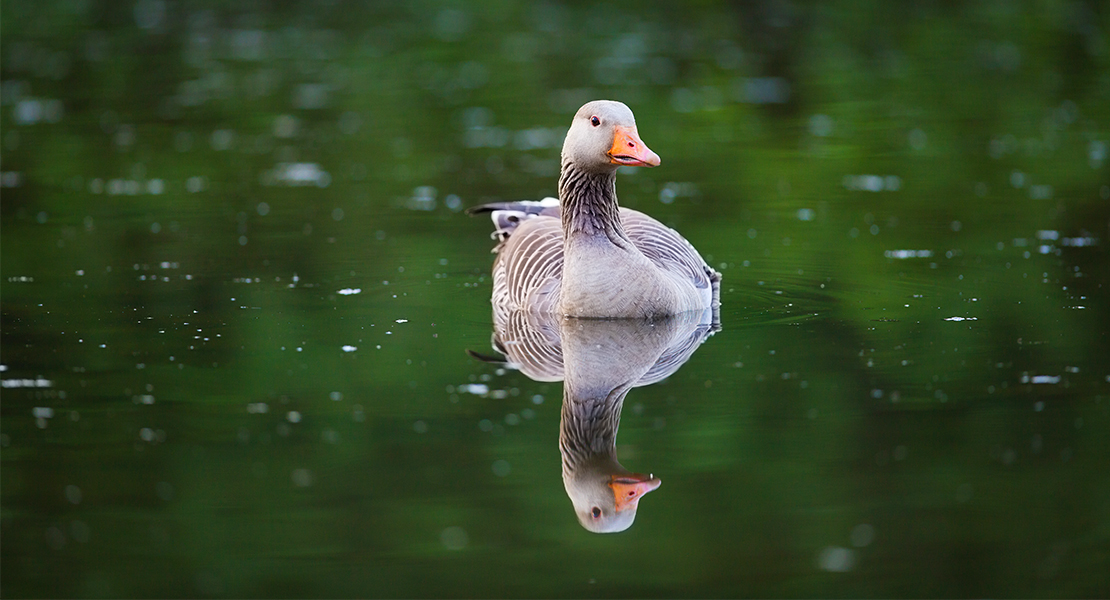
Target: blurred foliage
{"x": 188, "y": 185}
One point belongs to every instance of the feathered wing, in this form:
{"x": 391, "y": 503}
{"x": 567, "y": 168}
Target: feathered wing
{"x": 528, "y": 271}
{"x": 670, "y": 251}
{"x": 529, "y": 267}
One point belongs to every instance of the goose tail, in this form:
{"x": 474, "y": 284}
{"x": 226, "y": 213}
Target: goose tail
{"x": 507, "y": 216}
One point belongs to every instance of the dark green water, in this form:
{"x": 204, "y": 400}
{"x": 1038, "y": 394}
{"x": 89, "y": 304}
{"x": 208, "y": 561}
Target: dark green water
{"x": 238, "y": 291}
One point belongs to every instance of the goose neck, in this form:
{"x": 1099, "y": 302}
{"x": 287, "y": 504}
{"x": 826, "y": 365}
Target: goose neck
{"x": 589, "y": 202}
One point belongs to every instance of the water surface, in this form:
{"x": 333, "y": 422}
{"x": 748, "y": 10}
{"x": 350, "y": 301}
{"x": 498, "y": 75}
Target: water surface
{"x": 238, "y": 293}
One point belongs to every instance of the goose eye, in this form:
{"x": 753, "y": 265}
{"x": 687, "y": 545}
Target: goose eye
{"x": 597, "y": 511}
{"x": 595, "y": 121}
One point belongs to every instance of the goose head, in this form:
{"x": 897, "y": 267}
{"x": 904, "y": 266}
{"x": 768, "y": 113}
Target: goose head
{"x": 605, "y": 495}
{"x": 603, "y": 136}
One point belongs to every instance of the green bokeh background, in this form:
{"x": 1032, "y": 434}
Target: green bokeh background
{"x": 165, "y": 281}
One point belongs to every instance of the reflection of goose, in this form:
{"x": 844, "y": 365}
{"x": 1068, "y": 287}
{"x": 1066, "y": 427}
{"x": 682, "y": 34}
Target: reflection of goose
{"x": 583, "y": 255}
{"x": 599, "y": 361}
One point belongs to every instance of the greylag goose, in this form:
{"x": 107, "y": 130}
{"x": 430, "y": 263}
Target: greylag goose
{"x": 583, "y": 255}
{"x": 599, "y": 362}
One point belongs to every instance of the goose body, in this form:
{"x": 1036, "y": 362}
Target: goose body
{"x": 583, "y": 255}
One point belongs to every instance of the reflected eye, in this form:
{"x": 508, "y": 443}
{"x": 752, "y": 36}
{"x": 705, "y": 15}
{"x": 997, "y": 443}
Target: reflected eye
{"x": 597, "y": 511}
{"x": 595, "y": 121}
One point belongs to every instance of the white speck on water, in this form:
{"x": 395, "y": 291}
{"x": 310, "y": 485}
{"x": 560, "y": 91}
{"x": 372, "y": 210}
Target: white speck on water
{"x": 42, "y": 412}
{"x": 872, "y": 183}
{"x": 454, "y": 538}
{"x": 293, "y": 416}
{"x": 820, "y": 125}
{"x": 1046, "y": 379}
{"x": 836, "y": 559}
{"x": 349, "y": 348}
{"x": 904, "y": 254}
{"x": 862, "y": 535}
{"x": 73, "y": 494}
{"x": 195, "y": 184}
{"x": 164, "y": 491}
{"x": 302, "y": 477}
{"x": 349, "y": 291}
{"x": 918, "y": 139}
{"x": 402, "y": 321}
{"x": 27, "y": 383}
{"x": 962, "y": 319}
{"x": 806, "y": 214}
{"x": 477, "y": 389}
{"x": 336, "y": 396}
{"x": 537, "y": 399}
{"x": 1040, "y": 192}
{"x": 297, "y": 175}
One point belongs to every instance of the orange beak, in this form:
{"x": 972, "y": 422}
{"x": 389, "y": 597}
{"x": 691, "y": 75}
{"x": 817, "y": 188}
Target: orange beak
{"x": 629, "y": 150}
{"x": 628, "y": 489}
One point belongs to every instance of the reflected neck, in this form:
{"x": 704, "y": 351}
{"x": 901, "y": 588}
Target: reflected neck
{"x": 588, "y": 428}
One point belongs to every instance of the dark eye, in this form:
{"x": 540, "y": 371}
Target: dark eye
{"x": 597, "y": 511}
{"x": 595, "y": 121}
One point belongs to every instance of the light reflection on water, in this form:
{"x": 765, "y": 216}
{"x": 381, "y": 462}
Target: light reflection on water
{"x": 237, "y": 294}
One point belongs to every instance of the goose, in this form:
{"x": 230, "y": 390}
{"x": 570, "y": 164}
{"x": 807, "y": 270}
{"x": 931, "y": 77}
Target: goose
{"x": 583, "y": 255}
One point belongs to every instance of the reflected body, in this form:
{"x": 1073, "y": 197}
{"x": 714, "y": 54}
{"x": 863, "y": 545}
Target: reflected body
{"x": 599, "y": 361}
{"x": 584, "y": 256}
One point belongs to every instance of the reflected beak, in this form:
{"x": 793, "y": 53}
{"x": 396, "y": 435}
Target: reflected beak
{"x": 627, "y": 489}
{"x": 629, "y": 150}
